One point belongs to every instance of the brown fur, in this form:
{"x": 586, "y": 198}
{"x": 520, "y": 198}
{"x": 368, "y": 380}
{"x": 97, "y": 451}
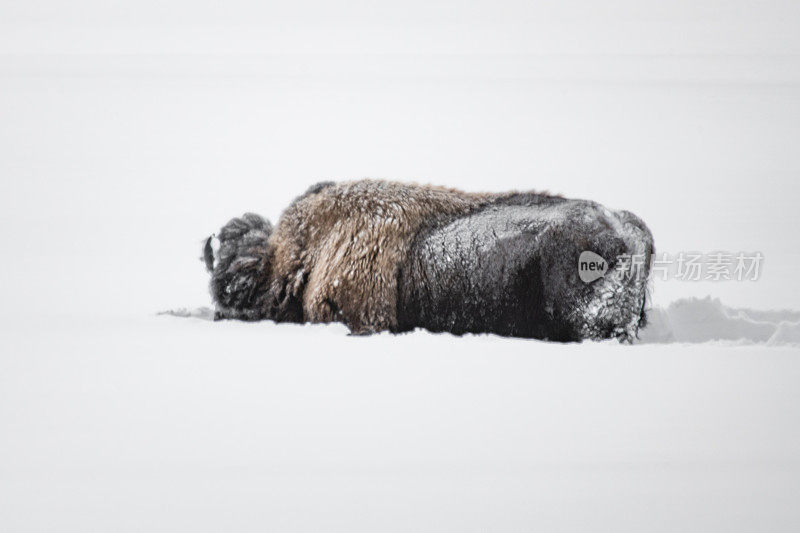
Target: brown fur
{"x": 338, "y": 249}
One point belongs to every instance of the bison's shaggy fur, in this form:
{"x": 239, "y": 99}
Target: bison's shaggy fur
{"x": 380, "y": 255}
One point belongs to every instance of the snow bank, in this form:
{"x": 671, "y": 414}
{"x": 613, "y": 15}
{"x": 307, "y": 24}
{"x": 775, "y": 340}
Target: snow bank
{"x": 697, "y": 320}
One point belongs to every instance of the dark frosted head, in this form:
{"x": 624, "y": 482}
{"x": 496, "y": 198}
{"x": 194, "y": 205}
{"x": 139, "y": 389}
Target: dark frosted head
{"x": 240, "y": 268}
{"x": 613, "y": 303}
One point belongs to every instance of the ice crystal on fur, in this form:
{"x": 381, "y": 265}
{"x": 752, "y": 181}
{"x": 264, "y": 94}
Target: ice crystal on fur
{"x": 379, "y": 255}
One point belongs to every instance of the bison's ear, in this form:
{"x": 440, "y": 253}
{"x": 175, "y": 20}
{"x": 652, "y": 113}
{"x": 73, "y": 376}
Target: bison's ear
{"x": 209, "y": 252}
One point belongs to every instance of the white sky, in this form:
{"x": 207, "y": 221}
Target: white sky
{"x": 415, "y": 26}
{"x": 687, "y": 113}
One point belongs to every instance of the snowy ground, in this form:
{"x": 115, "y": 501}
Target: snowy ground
{"x": 161, "y": 423}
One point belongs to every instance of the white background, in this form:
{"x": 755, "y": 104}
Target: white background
{"x": 129, "y": 131}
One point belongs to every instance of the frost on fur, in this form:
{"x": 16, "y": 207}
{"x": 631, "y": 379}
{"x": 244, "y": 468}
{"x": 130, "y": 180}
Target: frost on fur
{"x": 381, "y": 256}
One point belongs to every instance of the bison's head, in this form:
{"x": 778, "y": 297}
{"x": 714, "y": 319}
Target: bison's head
{"x": 595, "y": 269}
{"x": 239, "y": 260}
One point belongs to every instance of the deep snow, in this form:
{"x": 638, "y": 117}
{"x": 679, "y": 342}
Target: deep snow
{"x": 173, "y": 424}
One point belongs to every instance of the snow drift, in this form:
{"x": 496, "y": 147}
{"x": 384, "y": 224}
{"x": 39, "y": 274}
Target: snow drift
{"x": 697, "y": 320}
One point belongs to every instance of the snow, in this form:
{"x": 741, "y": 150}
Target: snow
{"x": 175, "y": 424}
{"x": 786, "y": 333}
{"x": 688, "y": 320}
{"x": 697, "y": 320}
